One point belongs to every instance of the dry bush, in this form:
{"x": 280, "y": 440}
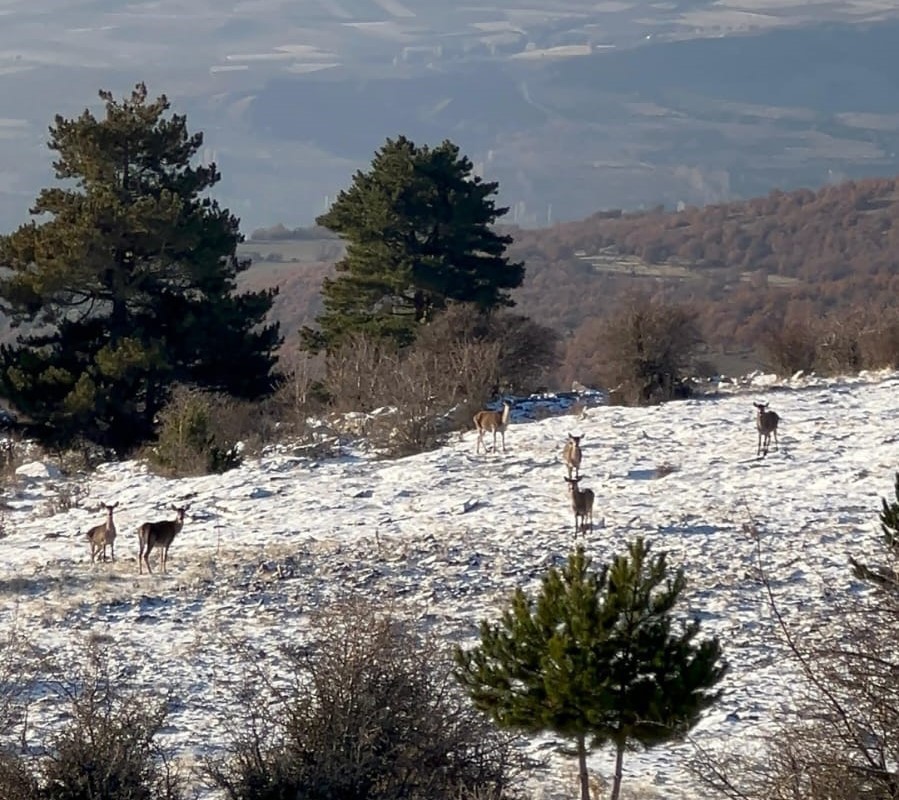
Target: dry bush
{"x": 14, "y": 452}
{"x": 108, "y": 748}
{"x": 880, "y": 341}
{"x": 428, "y": 390}
{"x": 645, "y": 351}
{"x": 432, "y": 394}
{"x": 369, "y": 711}
{"x": 357, "y": 374}
{"x": 838, "y": 350}
{"x": 839, "y": 343}
{"x": 841, "y": 740}
{"x": 526, "y": 351}
{"x": 791, "y": 347}
{"x": 299, "y": 396}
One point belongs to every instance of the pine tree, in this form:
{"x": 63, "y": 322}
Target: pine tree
{"x": 595, "y": 659}
{"x": 418, "y": 232}
{"x": 129, "y": 285}
{"x": 889, "y": 524}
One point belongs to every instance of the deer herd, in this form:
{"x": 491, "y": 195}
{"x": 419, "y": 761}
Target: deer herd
{"x": 582, "y": 499}
{"x": 160, "y": 534}
{"x": 157, "y": 535}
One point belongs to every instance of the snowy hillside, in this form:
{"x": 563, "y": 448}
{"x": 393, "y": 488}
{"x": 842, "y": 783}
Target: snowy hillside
{"x": 450, "y": 534}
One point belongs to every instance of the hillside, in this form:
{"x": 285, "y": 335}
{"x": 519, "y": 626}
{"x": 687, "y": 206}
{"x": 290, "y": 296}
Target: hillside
{"x": 445, "y": 537}
{"x": 745, "y": 265}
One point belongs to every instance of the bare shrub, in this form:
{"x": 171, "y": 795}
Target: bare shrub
{"x": 525, "y": 350}
{"x": 841, "y": 740}
{"x": 880, "y": 341}
{"x": 299, "y": 395}
{"x": 431, "y": 393}
{"x": 645, "y": 350}
{"x": 67, "y": 496}
{"x": 108, "y": 749}
{"x": 357, "y": 374}
{"x": 839, "y": 344}
{"x": 791, "y": 347}
{"x": 368, "y": 712}
{"x": 14, "y": 451}
{"x": 429, "y": 390}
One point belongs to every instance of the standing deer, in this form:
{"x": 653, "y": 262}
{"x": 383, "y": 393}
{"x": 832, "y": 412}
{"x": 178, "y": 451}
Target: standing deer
{"x": 582, "y": 504}
{"x": 571, "y": 455}
{"x": 159, "y": 535}
{"x": 495, "y": 421}
{"x": 103, "y": 535}
{"x": 766, "y": 422}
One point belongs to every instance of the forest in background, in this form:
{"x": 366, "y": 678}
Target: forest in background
{"x": 746, "y": 267}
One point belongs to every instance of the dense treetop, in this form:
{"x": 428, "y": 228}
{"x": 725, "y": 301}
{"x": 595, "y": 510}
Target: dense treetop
{"x": 126, "y": 277}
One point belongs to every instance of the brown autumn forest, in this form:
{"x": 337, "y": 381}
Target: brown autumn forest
{"x": 744, "y": 267}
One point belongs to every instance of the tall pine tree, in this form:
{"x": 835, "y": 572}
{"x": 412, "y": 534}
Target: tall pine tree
{"x": 126, "y": 281}
{"x": 595, "y": 659}
{"x": 418, "y": 230}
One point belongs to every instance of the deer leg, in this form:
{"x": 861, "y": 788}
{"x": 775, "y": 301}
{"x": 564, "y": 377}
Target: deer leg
{"x": 112, "y": 550}
{"x": 503, "y": 436}
{"x": 776, "y": 445}
{"x": 147, "y": 557}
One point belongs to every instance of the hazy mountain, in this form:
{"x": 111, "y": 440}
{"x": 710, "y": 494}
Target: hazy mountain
{"x": 571, "y": 105}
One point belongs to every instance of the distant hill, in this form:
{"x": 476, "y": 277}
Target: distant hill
{"x": 745, "y": 265}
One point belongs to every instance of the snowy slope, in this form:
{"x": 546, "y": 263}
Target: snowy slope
{"x": 449, "y": 534}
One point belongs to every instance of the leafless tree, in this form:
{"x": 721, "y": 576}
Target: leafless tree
{"x": 368, "y": 711}
{"x": 646, "y": 349}
{"x": 842, "y": 740}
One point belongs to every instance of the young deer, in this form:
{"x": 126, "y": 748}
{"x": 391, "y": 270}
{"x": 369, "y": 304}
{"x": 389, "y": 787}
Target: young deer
{"x": 159, "y": 535}
{"x": 495, "y": 421}
{"x": 103, "y": 535}
{"x": 766, "y": 422}
{"x": 571, "y": 455}
{"x": 582, "y": 504}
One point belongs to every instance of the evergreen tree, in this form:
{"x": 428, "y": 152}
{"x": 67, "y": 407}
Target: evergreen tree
{"x": 889, "y": 524}
{"x": 418, "y": 232}
{"x": 595, "y": 659}
{"x": 129, "y": 286}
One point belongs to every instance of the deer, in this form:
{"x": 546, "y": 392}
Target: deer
{"x": 495, "y": 421}
{"x": 766, "y": 422}
{"x": 571, "y": 455}
{"x": 582, "y": 504}
{"x": 103, "y": 535}
{"x": 159, "y": 535}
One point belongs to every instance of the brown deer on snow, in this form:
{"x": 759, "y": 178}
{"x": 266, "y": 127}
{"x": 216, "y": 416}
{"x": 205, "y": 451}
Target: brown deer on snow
{"x": 571, "y": 455}
{"x": 766, "y": 423}
{"x": 492, "y": 421}
{"x": 103, "y": 535}
{"x": 582, "y": 504}
{"x": 159, "y": 535}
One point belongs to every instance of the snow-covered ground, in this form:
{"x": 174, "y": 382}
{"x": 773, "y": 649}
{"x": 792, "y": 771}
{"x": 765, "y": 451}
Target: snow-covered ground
{"x": 449, "y": 535}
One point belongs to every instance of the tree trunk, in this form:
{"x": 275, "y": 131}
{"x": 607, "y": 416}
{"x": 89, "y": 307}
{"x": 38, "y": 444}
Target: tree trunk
{"x": 582, "y": 766}
{"x": 619, "y": 760}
